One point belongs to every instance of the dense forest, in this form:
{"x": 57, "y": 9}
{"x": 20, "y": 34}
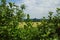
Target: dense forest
{"x": 10, "y": 17}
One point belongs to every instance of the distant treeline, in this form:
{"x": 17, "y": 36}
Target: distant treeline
{"x": 36, "y": 20}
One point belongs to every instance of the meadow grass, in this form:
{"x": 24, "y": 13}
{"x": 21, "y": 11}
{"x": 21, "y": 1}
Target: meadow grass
{"x": 34, "y": 24}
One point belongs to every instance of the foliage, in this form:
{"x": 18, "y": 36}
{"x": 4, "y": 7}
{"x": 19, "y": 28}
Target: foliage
{"x": 9, "y": 21}
{"x": 11, "y": 15}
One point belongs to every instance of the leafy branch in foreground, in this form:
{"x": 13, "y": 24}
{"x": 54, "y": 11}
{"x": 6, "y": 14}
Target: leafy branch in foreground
{"x": 10, "y": 17}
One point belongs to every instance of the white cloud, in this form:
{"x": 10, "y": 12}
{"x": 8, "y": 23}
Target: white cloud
{"x": 39, "y": 8}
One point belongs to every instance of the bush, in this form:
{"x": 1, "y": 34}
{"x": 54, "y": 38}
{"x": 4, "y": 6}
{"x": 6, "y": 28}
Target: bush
{"x": 48, "y": 30}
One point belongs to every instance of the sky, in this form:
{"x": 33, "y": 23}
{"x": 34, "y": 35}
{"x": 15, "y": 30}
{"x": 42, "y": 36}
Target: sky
{"x": 38, "y": 8}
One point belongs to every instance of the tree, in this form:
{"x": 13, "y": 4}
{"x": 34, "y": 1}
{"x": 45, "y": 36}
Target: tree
{"x": 50, "y": 16}
{"x": 28, "y": 16}
{"x": 10, "y": 16}
{"x": 22, "y": 6}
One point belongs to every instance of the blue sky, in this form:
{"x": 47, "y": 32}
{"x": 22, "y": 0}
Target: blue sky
{"x": 38, "y": 8}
